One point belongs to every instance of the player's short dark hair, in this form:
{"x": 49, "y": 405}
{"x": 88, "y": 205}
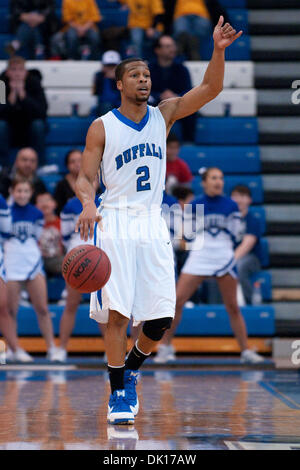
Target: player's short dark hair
{"x": 172, "y": 137}
{"x": 241, "y": 189}
{"x": 120, "y": 69}
{"x": 69, "y": 153}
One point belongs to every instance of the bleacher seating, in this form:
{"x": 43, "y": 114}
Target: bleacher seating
{"x": 202, "y": 320}
{"x": 67, "y": 131}
{"x": 230, "y": 159}
{"x": 237, "y": 130}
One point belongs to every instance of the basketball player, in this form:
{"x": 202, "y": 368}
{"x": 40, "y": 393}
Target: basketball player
{"x": 223, "y": 229}
{"x": 130, "y": 145}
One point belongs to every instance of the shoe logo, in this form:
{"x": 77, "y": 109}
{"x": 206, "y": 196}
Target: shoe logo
{"x": 121, "y": 393}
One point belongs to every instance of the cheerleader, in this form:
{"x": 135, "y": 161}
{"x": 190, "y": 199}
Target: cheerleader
{"x": 23, "y": 261}
{"x": 6, "y": 322}
{"x": 222, "y": 230}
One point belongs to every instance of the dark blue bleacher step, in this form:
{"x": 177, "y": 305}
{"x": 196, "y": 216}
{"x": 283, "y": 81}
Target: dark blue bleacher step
{"x": 233, "y": 3}
{"x": 239, "y": 50}
{"x": 209, "y": 320}
{"x": 67, "y": 131}
{"x": 228, "y": 130}
{"x": 230, "y": 159}
{"x": 254, "y": 183}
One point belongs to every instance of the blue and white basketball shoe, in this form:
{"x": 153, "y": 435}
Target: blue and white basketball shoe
{"x": 130, "y": 382}
{"x": 119, "y": 410}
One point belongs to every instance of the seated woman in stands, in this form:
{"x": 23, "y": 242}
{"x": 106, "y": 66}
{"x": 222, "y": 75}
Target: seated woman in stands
{"x": 212, "y": 255}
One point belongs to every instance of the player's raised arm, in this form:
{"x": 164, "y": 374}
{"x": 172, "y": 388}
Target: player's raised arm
{"x": 212, "y": 84}
{"x": 85, "y": 189}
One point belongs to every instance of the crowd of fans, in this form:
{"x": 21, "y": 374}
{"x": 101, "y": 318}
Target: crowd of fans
{"x": 80, "y": 32}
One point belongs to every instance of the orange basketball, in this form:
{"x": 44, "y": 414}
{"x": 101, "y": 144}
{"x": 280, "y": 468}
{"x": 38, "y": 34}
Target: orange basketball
{"x": 86, "y": 268}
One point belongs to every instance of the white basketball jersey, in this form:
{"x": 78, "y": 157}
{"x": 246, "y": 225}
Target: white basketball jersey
{"x": 133, "y": 165}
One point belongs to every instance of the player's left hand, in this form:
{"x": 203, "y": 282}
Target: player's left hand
{"x": 224, "y": 35}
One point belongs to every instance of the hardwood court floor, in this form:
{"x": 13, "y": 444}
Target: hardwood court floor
{"x": 179, "y": 409}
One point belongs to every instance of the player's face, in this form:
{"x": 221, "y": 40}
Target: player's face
{"x": 214, "y": 183}
{"x": 136, "y": 82}
{"x": 242, "y": 200}
{"x": 22, "y": 193}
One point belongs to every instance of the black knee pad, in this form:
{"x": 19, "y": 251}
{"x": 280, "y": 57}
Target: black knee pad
{"x": 154, "y": 329}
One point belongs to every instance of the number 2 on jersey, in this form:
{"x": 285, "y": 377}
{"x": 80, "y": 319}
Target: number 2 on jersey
{"x": 141, "y": 184}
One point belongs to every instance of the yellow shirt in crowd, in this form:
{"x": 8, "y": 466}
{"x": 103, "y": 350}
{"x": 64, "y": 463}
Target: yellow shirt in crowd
{"x": 80, "y": 11}
{"x": 142, "y": 12}
{"x": 191, "y": 7}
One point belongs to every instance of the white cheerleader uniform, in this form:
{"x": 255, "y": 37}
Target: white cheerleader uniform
{"x": 222, "y": 231}
{"x": 22, "y": 255}
{"x": 133, "y": 232}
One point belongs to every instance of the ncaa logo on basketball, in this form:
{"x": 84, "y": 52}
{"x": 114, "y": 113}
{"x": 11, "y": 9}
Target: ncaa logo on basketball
{"x": 2, "y": 92}
{"x": 82, "y": 267}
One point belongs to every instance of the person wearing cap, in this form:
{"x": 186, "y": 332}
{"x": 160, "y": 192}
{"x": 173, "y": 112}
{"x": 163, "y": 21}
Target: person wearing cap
{"x": 104, "y": 86}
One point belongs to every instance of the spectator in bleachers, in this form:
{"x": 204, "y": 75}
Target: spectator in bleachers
{"x": 81, "y": 18}
{"x": 145, "y": 23}
{"x": 23, "y": 117}
{"x": 178, "y": 171}
{"x": 246, "y": 253}
{"x": 33, "y": 22}
{"x": 25, "y": 167}
{"x": 191, "y": 24}
{"x": 65, "y": 189}
{"x": 51, "y": 239}
{"x": 171, "y": 79}
{"x": 23, "y": 261}
{"x": 105, "y": 87}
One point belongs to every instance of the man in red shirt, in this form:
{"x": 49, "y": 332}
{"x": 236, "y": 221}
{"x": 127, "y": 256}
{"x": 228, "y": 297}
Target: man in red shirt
{"x": 178, "y": 171}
